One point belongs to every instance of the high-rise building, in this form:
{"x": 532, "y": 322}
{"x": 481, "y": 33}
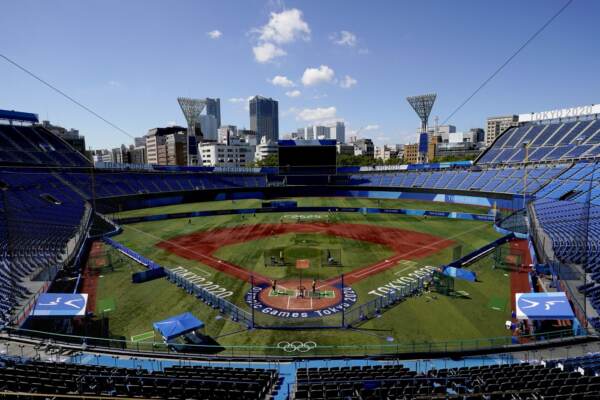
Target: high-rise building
{"x": 264, "y": 118}
{"x": 208, "y": 126}
{"x": 213, "y": 107}
{"x": 364, "y": 147}
{"x": 338, "y": 132}
{"x": 226, "y": 155}
{"x": 157, "y": 149}
{"x": 497, "y": 125}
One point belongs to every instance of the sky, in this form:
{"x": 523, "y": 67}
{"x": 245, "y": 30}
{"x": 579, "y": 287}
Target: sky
{"x": 355, "y": 61}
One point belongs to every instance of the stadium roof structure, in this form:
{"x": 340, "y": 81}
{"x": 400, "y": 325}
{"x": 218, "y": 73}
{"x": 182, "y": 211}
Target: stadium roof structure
{"x": 18, "y": 116}
{"x": 422, "y": 105}
{"x": 178, "y": 325}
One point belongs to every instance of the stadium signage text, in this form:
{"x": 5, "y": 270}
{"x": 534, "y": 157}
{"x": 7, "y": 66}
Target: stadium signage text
{"x": 203, "y": 283}
{"x": 401, "y": 282}
{"x": 252, "y": 299}
{"x": 562, "y": 113}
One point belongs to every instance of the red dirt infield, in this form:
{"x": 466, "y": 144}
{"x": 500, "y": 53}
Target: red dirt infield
{"x": 407, "y": 245}
{"x": 295, "y": 302}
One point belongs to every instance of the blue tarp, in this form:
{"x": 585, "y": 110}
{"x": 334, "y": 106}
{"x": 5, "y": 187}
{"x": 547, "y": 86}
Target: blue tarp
{"x": 460, "y": 273}
{"x": 178, "y": 325}
{"x": 543, "y": 306}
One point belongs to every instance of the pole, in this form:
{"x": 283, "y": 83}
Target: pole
{"x": 343, "y": 308}
{"x": 586, "y": 243}
{"x": 526, "y": 145}
{"x": 253, "y": 294}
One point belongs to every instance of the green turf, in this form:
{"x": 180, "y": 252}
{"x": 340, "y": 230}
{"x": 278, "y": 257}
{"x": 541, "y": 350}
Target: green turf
{"x": 426, "y": 318}
{"x": 355, "y": 254}
{"x": 307, "y": 202}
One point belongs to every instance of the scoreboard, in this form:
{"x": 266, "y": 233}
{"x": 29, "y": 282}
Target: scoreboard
{"x": 307, "y": 157}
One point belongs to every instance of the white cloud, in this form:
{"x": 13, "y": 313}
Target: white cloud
{"x": 348, "y": 82}
{"x": 293, "y": 93}
{"x": 283, "y": 81}
{"x": 114, "y": 83}
{"x": 265, "y": 52}
{"x": 344, "y": 38}
{"x": 237, "y": 100}
{"x": 171, "y": 123}
{"x": 214, "y": 34}
{"x": 372, "y": 127}
{"x": 316, "y": 114}
{"x": 315, "y": 76}
{"x": 284, "y": 27}
{"x": 363, "y": 51}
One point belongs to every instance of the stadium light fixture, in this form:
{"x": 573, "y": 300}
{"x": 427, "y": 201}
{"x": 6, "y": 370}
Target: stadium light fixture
{"x": 191, "y": 109}
{"x": 422, "y": 105}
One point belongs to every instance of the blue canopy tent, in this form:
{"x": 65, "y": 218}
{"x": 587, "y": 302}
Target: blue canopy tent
{"x": 460, "y": 273}
{"x": 178, "y": 325}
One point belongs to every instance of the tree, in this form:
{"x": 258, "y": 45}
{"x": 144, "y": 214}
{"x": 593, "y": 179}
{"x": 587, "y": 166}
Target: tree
{"x": 271, "y": 160}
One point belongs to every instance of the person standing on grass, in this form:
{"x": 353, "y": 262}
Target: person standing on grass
{"x": 274, "y": 286}
{"x": 314, "y": 286}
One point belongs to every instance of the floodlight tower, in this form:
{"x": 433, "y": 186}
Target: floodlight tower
{"x": 191, "y": 109}
{"x": 422, "y": 105}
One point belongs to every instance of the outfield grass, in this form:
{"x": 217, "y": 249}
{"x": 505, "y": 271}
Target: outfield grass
{"x": 306, "y": 202}
{"x": 425, "y": 318}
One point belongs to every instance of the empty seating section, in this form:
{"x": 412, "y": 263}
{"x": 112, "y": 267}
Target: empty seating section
{"x": 111, "y": 184}
{"x": 574, "y": 229}
{"x": 40, "y": 215}
{"x": 575, "y": 184}
{"x": 545, "y": 142}
{"x": 35, "y": 145}
{"x": 512, "y": 381}
{"x": 499, "y": 180}
{"x": 197, "y": 382}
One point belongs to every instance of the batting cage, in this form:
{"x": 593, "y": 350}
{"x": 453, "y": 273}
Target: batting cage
{"x": 509, "y": 257}
{"x": 288, "y": 256}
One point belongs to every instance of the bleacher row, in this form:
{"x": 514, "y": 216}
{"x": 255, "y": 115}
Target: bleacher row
{"x": 131, "y": 183}
{"x": 35, "y": 145}
{"x": 562, "y": 379}
{"x": 574, "y": 230}
{"x": 178, "y": 382}
{"x": 40, "y": 215}
{"x": 566, "y": 141}
{"x": 492, "y": 180}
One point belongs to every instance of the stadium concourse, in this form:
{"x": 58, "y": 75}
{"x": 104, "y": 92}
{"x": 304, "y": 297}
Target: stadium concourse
{"x": 54, "y": 203}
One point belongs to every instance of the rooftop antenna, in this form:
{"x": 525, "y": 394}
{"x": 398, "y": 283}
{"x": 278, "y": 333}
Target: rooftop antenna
{"x": 422, "y": 105}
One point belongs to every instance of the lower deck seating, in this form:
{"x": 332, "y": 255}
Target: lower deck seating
{"x": 514, "y": 381}
{"x": 196, "y": 382}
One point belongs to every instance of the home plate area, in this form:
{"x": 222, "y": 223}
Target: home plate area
{"x": 297, "y": 295}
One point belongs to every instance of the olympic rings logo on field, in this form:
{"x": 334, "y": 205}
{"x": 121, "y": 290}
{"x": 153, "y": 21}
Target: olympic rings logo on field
{"x": 291, "y": 347}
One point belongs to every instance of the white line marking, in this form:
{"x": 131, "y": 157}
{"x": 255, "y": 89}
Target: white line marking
{"x": 402, "y": 270}
{"x": 288, "y": 303}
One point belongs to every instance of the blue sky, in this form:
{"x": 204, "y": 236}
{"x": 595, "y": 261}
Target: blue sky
{"x": 349, "y": 60}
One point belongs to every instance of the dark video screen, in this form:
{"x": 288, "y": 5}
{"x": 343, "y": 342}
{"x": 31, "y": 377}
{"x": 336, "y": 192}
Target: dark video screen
{"x": 307, "y": 160}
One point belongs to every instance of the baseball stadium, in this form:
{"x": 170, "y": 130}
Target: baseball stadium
{"x": 312, "y": 245}
{"x": 301, "y": 275}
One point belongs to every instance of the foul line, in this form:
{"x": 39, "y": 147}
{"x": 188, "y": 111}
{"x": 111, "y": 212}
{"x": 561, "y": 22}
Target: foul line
{"x": 369, "y": 271}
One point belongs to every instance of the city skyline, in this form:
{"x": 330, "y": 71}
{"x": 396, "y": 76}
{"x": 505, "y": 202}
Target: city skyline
{"x": 319, "y": 69}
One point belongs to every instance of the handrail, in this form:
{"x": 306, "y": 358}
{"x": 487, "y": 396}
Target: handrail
{"x": 501, "y": 344}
